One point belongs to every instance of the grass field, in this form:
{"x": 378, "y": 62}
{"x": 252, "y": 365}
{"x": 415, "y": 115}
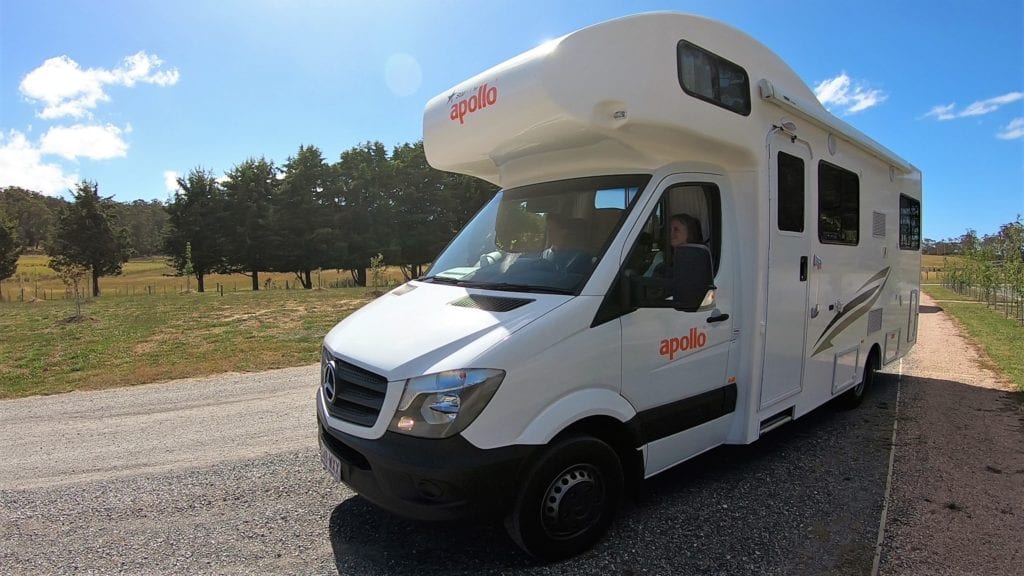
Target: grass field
{"x": 1001, "y": 338}
{"x": 128, "y": 341}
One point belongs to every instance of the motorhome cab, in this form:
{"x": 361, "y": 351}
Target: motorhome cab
{"x": 688, "y": 250}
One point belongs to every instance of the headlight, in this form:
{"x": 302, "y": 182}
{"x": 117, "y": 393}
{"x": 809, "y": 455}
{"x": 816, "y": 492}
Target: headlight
{"x": 443, "y": 404}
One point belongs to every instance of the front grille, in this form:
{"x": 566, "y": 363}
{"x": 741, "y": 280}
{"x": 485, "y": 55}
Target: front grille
{"x": 358, "y": 394}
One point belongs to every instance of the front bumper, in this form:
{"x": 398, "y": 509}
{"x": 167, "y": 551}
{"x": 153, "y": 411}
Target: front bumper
{"x": 426, "y": 479}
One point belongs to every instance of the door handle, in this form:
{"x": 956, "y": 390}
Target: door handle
{"x": 803, "y": 268}
{"x": 719, "y": 318}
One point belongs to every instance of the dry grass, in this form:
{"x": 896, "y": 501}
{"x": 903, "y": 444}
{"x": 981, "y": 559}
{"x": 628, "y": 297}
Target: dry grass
{"x": 129, "y": 341}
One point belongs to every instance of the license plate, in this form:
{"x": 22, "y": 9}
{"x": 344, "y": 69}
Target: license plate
{"x": 331, "y": 462}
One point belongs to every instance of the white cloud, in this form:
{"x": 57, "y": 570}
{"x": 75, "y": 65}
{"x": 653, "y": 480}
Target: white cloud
{"x": 171, "y": 181}
{"x": 66, "y": 89}
{"x": 846, "y": 95}
{"x": 979, "y": 108}
{"x": 1013, "y": 130}
{"x": 21, "y": 164}
{"x": 942, "y": 112}
{"x": 93, "y": 142}
{"x": 992, "y": 104}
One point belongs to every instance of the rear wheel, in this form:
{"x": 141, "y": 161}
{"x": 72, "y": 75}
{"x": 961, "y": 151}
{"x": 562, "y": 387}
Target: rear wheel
{"x": 568, "y": 498}
{"x": 854, "y": 396}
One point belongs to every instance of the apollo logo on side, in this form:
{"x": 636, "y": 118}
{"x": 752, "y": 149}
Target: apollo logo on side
{"x": 671, "y": 346}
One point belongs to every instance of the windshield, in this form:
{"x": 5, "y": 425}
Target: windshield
{"x": 540, "y": 238}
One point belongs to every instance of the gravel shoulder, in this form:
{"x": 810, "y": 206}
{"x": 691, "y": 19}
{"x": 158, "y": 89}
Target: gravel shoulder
{"x": 957, "y": 500}
{"x": 99, "y": 435}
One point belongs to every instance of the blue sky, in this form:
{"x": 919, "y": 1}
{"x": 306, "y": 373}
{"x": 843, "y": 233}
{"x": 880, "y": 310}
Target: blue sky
{"x": 127, "y": 93}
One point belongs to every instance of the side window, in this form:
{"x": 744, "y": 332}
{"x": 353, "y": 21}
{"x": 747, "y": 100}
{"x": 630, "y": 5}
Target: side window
{"x": 838, "y": 205}
{"x": 791, "y": 193}
{"x": 910, "y": 223}
{"x": 686, "y": 214}
{"x": 712, "y": 78}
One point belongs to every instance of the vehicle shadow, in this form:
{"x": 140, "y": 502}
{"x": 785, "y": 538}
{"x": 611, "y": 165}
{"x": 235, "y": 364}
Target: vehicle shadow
{"x": 806, "y": 498}
{"x": 929, "y": 309}
{"x": 962, "y": 469}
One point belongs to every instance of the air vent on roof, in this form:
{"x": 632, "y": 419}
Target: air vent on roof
{"x": 490, "y": 303}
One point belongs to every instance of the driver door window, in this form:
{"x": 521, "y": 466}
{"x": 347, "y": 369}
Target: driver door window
{"x": 685, "y": 214}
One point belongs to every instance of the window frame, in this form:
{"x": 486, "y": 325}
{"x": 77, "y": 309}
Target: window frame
{"x": 717, "y": 61}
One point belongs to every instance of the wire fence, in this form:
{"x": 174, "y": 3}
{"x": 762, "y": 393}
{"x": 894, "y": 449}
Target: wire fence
{"x": 998, "y": 284}
{"x": 40, "y": 291}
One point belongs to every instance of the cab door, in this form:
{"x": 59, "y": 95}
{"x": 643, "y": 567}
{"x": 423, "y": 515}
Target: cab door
{"x": 674, "y": 362}
{"x": 788, "y": 270}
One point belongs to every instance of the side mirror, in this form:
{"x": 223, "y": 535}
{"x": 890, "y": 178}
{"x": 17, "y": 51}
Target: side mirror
{"x": 692, "y": 276}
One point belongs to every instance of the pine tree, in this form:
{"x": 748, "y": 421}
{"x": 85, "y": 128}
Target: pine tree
{"x": 88, "y": 235}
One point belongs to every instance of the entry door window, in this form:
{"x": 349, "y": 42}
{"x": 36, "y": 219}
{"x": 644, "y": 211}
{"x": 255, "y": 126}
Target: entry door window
{"x": 791, "y": 193}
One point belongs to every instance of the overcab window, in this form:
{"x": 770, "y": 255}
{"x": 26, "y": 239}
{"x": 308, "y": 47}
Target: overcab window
{"x": 713, "y": 79}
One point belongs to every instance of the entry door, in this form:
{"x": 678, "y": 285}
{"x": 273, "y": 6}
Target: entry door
{"x": 788, "y": 270}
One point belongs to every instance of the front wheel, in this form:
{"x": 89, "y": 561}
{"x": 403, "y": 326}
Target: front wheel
{"x": 568, "y": 498}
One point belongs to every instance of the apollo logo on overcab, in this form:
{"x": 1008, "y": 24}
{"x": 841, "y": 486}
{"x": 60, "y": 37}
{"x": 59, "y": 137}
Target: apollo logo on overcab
{"x": 481, "y": 98}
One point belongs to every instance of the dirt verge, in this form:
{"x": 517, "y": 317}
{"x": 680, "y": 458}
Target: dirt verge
{"x": 957, "y": 500}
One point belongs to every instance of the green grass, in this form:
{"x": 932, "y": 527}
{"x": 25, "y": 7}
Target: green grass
{"x": 1001, "y": 338}
{"x": 129, "y": 341}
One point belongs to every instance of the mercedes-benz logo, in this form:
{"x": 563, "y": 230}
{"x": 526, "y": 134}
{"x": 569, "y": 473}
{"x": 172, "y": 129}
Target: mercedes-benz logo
{"x": 328, "y": 378}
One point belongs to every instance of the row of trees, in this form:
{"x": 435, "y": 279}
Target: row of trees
{"x": 33, "y": 216}
{"x": 306, "y": 215}
{"x": 969, "y": 242}
{"x": 310, "y": 214}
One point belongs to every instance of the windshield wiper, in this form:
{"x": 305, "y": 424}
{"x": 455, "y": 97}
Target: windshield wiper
{"x": 509, "y": 287}
{"x": 439, "y": 280}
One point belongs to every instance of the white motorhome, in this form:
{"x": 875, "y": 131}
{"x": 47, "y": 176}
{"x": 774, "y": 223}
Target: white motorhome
{"x": 688, "y": 250}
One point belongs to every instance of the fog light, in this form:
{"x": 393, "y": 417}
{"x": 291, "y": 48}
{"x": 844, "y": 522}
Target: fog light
{"x": 405, "y": 423}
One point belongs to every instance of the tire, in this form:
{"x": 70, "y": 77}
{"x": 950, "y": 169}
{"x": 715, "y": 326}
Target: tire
{"x": 567, "y": 499}
{"x": 854, "y": 396}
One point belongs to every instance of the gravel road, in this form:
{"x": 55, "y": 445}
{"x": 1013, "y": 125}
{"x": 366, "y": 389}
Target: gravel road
{"x": 221, "y": 475}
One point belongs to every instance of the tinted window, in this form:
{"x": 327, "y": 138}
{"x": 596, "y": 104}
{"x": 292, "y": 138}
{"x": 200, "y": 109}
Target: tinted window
{"x": 838, "y": 205}
{"x": 791, "y": 193}
{"x": 910, "y": 223}
{"x": 712, "y": 78}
